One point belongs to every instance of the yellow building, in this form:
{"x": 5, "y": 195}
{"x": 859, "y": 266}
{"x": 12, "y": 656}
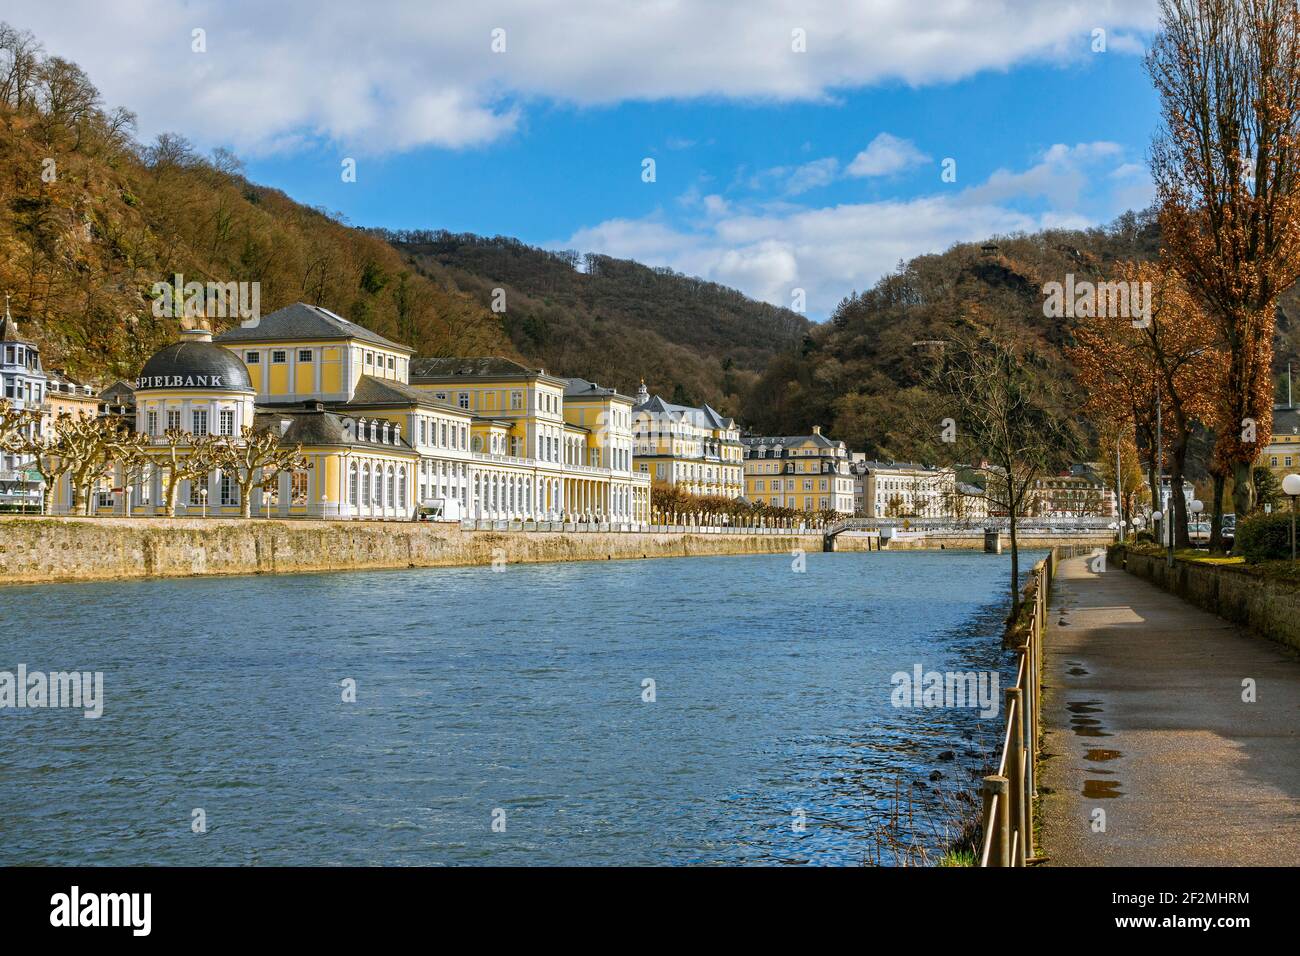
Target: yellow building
{"x": 1282, "y": 453}
{"x": 803, "y": 472}
{"x": 542, "y": 447}
{"x": 68, "y": 397}
{"x": 387, "y": 436}
{"x": 694, "y": 448}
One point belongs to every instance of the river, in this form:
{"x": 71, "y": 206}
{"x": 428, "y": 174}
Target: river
{"x": 726, "y": 710}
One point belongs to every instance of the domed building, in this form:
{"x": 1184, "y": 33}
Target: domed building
{"x": 196, "y": 386}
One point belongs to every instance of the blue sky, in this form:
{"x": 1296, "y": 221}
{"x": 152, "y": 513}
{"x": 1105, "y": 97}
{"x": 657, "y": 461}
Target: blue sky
{"x": 777, "y": 169}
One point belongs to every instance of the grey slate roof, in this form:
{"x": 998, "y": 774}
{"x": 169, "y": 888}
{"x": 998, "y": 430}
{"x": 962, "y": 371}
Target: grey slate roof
{"x": 300, "y": 322}
{"x": 378, "y": 391}
{"x": 822, "y": 441}
{"x": 476, "y": 366}
{"x": 318, "y": 427}
{"x": 1286, "y": 420}
{"x": 581, "y": 388}
{"x": 9, "y": 330}
{"x": 703, "y": 414}
{"x": 862, "y": 467}
{"x": 119, "y": 393}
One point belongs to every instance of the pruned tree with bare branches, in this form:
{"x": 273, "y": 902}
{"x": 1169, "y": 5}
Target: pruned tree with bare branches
{"x": 257, "y": 459}
{"x": 183, "y": 457}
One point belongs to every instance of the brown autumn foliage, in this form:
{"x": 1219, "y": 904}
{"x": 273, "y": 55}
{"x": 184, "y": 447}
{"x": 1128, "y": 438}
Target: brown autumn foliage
{"x": 1169, "y": 359}
{"x": 1227, "y": 172}
{"x": 90, "y": 220}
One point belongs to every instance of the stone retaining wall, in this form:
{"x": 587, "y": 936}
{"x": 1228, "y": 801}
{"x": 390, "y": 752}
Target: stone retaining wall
{"x": 1265, "y": 605}
{"x": 85, "y": 549}
{"x": 36, "y": 550}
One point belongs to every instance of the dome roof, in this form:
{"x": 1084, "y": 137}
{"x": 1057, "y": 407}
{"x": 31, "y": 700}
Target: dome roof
{"x": 195, "y": 364}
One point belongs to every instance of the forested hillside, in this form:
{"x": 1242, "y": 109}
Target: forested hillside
{"x": 860, "y": 372}
{"x": 90, "y": 220}
{"x": 614, "y": 320}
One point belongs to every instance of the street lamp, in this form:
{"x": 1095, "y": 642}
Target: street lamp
{"x": 1197, "y": 507}
{"x": 1291, "y": 488}
{"x": 203, "y": 495}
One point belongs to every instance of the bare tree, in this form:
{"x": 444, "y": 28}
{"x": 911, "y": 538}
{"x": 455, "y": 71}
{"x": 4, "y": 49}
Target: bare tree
{"x": 183, "y": 457}
{"x": 257, "y": 459}
{"x": 1003, "y": 425}
{"x": 40, "y": 450}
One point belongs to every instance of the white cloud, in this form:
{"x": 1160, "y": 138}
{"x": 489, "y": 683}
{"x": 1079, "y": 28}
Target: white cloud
{"x": 767, "y": 251}
{"x": 1061, "y": 177}
{"x": 389, "y": 75}
{"x": 819, "y": 172}
{"x": 886, "y": 155}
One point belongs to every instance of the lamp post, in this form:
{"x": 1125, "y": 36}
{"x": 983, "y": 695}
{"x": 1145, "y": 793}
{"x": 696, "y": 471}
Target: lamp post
{"x": 203, "y": 496}
{"x": 1197, "y": 507}
{"x": 1291, "y": 488}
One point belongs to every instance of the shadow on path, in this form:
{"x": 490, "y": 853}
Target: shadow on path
{"x": 1144, "y": 721}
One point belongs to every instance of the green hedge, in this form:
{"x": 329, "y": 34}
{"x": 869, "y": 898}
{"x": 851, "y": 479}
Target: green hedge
{"x": 1265, "y": 537}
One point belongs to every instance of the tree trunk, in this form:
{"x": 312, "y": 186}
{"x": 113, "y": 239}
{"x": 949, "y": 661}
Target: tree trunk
{"x": 1216, "y": 521}
{"x": 1181, "y": 538}
{"x": 1243, "y": 492}
{"x": 1015, "y": 564}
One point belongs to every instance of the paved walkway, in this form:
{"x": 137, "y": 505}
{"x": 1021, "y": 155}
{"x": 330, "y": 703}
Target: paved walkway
{"x": 1144, "y": 719}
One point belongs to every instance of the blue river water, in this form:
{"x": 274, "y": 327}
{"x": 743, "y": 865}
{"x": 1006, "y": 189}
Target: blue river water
{"x": 500, "y": 717}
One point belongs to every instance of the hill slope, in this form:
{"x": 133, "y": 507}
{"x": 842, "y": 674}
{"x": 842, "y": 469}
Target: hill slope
{"x": 614, "y": 320}
{"x": 90, "y": 220}
{"x": 857, "y": 373}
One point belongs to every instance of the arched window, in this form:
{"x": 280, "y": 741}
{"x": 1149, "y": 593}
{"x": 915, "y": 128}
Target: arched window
{"x": 352, "y": 484}
{"x": 365, "y": 483}
{"x": 401, "y": 488}
{"x": 392, "y": 497}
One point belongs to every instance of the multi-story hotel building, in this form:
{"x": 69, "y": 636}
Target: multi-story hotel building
{"x": 1078, "y": 493}
{"x": 543, "y": 446}
{"x": 696, "y": 449}
{"x": 804, "y": 472}
{"x": 25, "y": 384}
{"x": 904, "y": 490}
{"x": 386, "y": 434}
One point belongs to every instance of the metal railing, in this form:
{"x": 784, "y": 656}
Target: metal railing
{"x": 1009, "y": 794}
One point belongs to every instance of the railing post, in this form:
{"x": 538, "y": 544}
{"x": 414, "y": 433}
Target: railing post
{"x": 1015, "y": 769}
{"x": 995, "y": 788}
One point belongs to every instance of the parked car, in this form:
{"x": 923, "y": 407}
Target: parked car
{"x": 1229, "y": 533}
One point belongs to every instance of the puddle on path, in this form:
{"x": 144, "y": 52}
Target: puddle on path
{"x": 1084, "y": 725}
{"x": 1102, "y": 789}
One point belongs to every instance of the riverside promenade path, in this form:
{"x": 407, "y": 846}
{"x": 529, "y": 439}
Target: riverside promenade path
{"x": 1144, "y": 719}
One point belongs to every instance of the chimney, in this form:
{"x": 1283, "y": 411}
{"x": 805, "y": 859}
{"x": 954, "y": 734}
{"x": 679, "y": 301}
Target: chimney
{"x": 817, "y": 429}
